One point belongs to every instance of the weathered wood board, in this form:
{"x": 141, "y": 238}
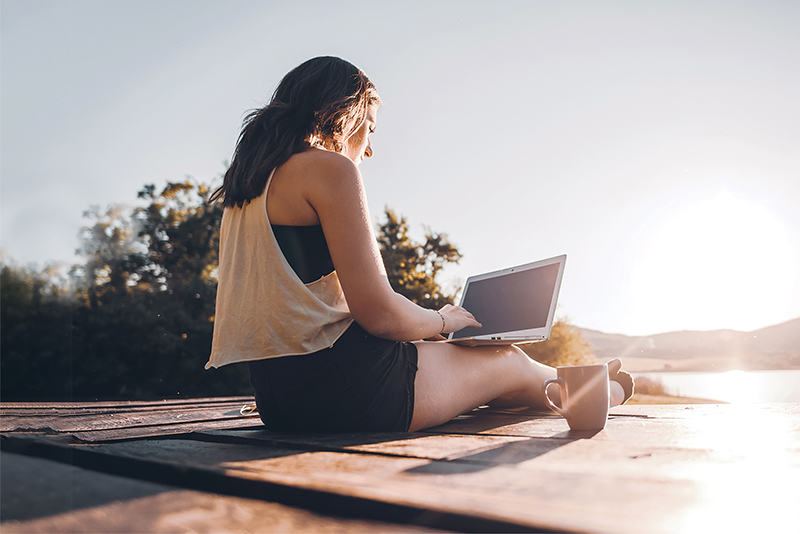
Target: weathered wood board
{"x": 43, "y": 496}
{"x": 87, "y": 422}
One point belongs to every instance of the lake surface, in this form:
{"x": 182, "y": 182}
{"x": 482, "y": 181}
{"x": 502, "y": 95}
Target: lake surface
{"x": 733, "y": 386}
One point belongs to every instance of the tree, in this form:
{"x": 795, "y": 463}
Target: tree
{"x": 35, "y": 333}
{"x": 566, "y": 346}
{"x": 149, "y": 288}
{"x": 169, "y": 245}
{"x": 412, "y": 267}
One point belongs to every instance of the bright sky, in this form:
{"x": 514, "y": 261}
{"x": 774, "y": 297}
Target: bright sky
{"x": 655, "y": 143}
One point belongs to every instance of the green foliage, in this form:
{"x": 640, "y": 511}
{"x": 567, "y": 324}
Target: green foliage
{"x": 566, "y": 346}
{"x": 412, "y": 267}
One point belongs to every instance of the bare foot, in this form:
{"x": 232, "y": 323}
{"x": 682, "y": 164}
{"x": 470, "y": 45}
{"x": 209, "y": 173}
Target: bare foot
{"x": 619, "y": 380}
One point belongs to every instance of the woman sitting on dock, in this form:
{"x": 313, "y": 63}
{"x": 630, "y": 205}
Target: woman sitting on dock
{"x": 303, "y": 295}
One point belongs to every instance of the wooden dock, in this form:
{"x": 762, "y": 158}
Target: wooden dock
{"x": 207, "y": 465}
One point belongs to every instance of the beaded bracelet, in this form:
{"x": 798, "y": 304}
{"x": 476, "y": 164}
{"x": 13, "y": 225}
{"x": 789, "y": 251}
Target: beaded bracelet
{"x": 443, "y": 323}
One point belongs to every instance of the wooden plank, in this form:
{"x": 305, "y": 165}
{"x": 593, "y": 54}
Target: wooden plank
{"x": 44, "y": 496}
{"x": 211, "y": 478}
{"x": 93, "y": 422}
{"x": 619, "y": 479}
{"x": 417, "y": 445}
{"x": 122, "y": 419}
{"x": 481, "y": 450}
{"x": 83, "y": 418}
{"x": 651, "y": 425}
{"x": 92, "y": 405}
{"x": 139, "y": 432}
{"x": 192, "y": 511}
{"x": 32, "y": 488}
{"x": 83, "y": 409}
{"x": 489, "y": 488}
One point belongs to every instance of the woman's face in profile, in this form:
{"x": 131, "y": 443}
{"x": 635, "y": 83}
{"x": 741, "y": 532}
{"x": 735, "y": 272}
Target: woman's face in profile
{"x": 358, "y": 146}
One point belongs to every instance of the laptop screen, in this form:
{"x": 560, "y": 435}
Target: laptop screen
{"x": 518, "y": 300}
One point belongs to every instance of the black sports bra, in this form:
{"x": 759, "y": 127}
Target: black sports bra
{"x": 306, "y": 250}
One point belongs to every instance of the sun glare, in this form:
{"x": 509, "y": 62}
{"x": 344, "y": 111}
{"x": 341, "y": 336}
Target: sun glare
{"x": 734, "y": 386}
{"x": 720, "y": 263}
{"x": 748, "y": 482}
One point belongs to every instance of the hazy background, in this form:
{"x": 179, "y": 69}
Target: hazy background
{"x": 655, "y": 143}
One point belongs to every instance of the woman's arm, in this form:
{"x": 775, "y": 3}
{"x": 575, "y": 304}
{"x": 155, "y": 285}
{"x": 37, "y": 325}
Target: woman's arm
{"x": 335, "y": 190}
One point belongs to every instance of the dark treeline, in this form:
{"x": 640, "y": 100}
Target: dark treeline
{"x": 134, "y": 320}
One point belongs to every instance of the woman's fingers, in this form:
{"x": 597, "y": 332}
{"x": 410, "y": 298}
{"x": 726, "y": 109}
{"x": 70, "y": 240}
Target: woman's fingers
{"x": 458, "y": 318}
{"x": 472, "y": 317}
{"x": 613, "y": 367}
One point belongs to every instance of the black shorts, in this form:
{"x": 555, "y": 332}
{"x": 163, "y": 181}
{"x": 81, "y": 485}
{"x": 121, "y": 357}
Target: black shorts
{"x": 362, "y": 383}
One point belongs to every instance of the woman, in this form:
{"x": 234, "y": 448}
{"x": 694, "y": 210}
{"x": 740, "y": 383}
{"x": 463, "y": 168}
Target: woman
{"x": 303, "y": 295}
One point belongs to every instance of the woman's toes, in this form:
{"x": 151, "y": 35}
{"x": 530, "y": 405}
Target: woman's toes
{"x": 625, "y": 380}
{"x": 613, "y": 368}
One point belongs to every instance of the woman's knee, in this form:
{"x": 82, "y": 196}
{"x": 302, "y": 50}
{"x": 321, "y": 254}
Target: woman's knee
{"x": 518, "y": 361}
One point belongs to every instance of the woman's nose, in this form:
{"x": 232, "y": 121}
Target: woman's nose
{"x": 368, "y": 151}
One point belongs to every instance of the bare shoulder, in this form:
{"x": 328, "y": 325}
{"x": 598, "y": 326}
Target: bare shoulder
{"x": 306, "y": 182}
{"x": 317, "y": 164}
{"x": 324, "y": 177}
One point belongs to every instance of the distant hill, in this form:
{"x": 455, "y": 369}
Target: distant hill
{"x": 773, "y": 347}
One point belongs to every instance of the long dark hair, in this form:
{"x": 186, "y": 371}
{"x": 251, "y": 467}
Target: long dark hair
{"x": 319, "y": 103}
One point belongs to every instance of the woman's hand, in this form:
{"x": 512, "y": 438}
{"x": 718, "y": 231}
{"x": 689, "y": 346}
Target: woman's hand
{"x": 456, "y": 318}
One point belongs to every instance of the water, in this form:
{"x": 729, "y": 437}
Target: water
{"x": 733, "y": 386}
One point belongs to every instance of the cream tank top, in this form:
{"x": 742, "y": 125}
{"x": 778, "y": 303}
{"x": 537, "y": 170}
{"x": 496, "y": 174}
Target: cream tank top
{"x": 263, "y": 309}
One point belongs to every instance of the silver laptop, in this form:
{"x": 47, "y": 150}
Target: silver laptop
{"x": 514, "y": 305}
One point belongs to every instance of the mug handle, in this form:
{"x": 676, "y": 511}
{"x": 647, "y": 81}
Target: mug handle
{"x": 560, "y": 383}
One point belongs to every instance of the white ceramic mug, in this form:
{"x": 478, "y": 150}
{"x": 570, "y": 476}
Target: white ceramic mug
{"x": 584, "y": 395}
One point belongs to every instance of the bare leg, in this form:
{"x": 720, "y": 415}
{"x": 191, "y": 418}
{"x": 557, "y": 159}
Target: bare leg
{"x": 620, "y": 389}
{"x": 452, "y": 380}
{"x": 616, "y": 397}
